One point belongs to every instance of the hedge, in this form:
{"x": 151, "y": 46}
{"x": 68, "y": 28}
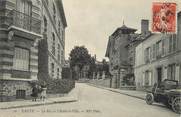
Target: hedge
{"x": 60, "y": 86}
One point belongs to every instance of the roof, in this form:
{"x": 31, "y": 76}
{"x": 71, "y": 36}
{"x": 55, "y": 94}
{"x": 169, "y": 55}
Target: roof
{"x": 62, "y": 13}
{"x": 124, "y": 30}
{"x": 110, "y": 41}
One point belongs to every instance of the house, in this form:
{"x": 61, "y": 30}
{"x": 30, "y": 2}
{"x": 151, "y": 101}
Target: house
{"x": 20, "y": 31}
{"x": 32, "y": 41}
{"x": 117, "y": 52}
{"x": 52, "y": 46}
{"x": 158, "y": 57}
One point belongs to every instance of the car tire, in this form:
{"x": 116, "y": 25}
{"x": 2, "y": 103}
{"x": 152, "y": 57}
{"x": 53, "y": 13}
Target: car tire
{"x": 176, "y": 105}
{"x": 149, "y": 98}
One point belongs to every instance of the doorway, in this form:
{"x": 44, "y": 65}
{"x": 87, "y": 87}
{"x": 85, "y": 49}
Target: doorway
{"x": 159, "y": 72}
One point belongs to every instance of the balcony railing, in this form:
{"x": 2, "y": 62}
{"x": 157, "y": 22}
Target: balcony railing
{"x": 24, "y": 21}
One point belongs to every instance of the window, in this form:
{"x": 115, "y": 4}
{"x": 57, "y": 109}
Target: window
{"x": 163, "y": 47}
{"x": 58, "y": 73}
{"x": 53, "y": 44}
{"x": 54, "y": 13}
{"x": 63, "y": 33}
{"x": 45, "y": 24}
{"x": 154, "y": 51}
{"x": 147, "y": 55}
{"x": 59, "y": 52}
{"x": 52, "y": 70}
{"x": 62, "y": 57}
{"x": 23, "y": 14}
{"x": 20, "y": 94}
{"x": 148, "y": 78}
{"x": 59, "y": 30}
{"x": 159, "y": 49}
{"x": 171, "y": 71}
{"x": 21, "y": 59}
{"x": 26, "y": 7}
{"x": 172, "y": 43}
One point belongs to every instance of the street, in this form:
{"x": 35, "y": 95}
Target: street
{"x": 95, "y": 102}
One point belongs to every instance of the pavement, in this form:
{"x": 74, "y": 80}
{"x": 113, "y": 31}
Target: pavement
{"x": 71, "y": 97}
{"x": 94, "y": 102}
{"x": 132, "y": 93}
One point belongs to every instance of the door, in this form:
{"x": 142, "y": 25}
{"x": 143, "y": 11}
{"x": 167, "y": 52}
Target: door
{"x": 159, "y": 72}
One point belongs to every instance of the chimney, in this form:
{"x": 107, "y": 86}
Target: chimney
{"x": 144, "y": 26}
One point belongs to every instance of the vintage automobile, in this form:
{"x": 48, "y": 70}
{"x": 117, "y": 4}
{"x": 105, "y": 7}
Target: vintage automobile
{"x": 167, "y": 92}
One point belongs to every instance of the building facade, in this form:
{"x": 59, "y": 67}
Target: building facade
{"x": 158, "y": 57}
{"x": 117, "y": 52}
{"x": 20, "y": 30}
{"x": 26, "y": 28}
{"x": 52, "y": 46}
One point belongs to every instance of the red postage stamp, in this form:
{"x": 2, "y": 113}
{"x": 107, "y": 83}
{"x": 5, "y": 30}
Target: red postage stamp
{"x": 164, "y": 17}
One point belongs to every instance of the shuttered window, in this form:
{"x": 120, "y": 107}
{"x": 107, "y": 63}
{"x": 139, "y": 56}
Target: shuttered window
{"x": 21, "y": 59}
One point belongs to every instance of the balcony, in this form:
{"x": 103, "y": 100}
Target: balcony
{"x": 21, "y": 20}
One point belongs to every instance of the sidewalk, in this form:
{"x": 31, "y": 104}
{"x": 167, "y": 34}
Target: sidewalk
{"x": 131, "y": 93}
{"x": 71, "y": 97}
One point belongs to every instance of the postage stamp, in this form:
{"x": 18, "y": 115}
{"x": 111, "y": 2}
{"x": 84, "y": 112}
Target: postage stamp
{"x": 164, "y": 17}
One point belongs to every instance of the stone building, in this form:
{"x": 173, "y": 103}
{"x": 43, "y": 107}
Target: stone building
{"x": 23, "y": 24}
{"x": 117, "y": 52}
{"x": 158, "y": 57}
{"x": 20, "y": 30}
{"x": 121, "y": 51}
{"x": 52, "y": 46}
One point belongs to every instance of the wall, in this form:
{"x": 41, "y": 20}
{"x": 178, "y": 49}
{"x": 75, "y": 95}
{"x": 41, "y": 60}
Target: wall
{"x": 102, "y": 82}
{"x": 10, "y": 87}
{"x": 52, "y": 27}
{"x": 163, "y": 62}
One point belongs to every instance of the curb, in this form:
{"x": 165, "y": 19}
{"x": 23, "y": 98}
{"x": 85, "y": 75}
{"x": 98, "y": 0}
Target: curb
{"x": 116, "y": 91}
{"x": 33, "y": 105}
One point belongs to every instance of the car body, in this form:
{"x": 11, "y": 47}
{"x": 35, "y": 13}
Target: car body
{"x": 167, "y": 92}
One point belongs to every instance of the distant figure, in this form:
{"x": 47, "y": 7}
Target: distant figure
{"x": 35, "y": 93}
{"x": 43, "y": 93}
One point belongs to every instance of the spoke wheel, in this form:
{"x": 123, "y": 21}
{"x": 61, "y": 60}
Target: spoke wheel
{"x": 149, "y": 98}
{"x": 176, "y": 105}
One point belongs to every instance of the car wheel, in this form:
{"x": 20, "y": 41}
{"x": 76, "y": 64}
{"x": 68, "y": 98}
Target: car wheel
{"x": 176, "y": 105}
{"x": 149, "y": 98}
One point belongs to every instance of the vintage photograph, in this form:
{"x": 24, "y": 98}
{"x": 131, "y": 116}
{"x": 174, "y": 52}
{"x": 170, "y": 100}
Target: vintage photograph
{"x": 90, "y": 58}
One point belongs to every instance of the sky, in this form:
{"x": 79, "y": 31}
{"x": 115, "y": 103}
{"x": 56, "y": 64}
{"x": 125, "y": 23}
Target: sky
{"x": 91, "y": 22}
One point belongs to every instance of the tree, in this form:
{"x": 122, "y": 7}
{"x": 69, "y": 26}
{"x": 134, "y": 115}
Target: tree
{"x": 92, "y": 68}
{"x": 105, "y": 67}
{"x": 79, "y": 56}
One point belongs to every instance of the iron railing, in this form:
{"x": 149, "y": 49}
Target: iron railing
{"x": 24, "y": 21}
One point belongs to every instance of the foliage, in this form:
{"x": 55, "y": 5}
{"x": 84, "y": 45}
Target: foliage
{"x": 92, "y": 67}
{"x": 59, "y": 86}
{"x": 66, "y": 73}
{"x": 79, "y": 56}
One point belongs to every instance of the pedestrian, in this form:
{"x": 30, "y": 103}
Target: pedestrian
{"x": 35, "y": 92}
{"x": 43, "y": 92}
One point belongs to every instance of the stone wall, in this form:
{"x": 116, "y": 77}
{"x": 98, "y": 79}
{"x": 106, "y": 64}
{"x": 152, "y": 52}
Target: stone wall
{"x": 9, "y": 88}
{"x": 104, "y": 83}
